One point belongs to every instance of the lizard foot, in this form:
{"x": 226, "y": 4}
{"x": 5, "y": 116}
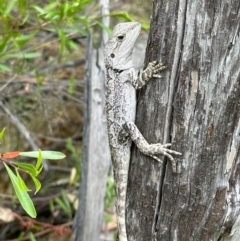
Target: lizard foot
{"x": 153, "y": 69}
{"x": 159, "y": 149}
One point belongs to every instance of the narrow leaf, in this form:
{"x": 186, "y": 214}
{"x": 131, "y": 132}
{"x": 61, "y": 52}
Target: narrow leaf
{"x": 22, "y": 55}
{"x": 22, "y": 195}
{"x": 82, "y": 20}
{"x": 106, "y": 28}
{"x": 21, "y": 183}
{"x": 39, "y": 170}
{"x": 62, "y": 38}
{"x": 2, "y": 136}
{"x": 27, "y": 167}
{"x": 39, "y": 9}
{"x": 123, "y": 15}
{"x": 62, "y": 205}
{"x": 32, "y": 237}
{"x": 51, "y": 155}
{"x": 4, "y": 67}
{"x": 2, "y": 132}
{"x": 37, "y": 184}
{"x": 39, "y": 160}
{"x": 65, "y": 199}
{"x": 71, "y": 85}
{"x": 9, "y": 7}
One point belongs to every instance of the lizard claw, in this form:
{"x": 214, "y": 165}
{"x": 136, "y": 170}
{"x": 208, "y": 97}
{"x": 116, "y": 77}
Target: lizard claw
{"x": 159, "y": 149}
{"x": 153, "y": 69}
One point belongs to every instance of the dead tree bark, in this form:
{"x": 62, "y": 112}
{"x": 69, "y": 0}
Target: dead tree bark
{"x": 96, "y": 153}
{"x": 195, "y": 106}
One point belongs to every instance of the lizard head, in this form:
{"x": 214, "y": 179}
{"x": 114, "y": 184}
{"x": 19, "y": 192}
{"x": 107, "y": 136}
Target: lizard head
{"x": 119, "y": 47}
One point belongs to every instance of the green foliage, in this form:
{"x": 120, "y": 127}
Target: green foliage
{"x": 18, "y": 183}
{"x": 74, "y": 154}
{"x": 32, "y": 237}
{"x": 71, "y": 86}
{"x": 22, "y": 20}
{"x": 110, "y": 192}
{"x": 17, "y": 39}
{"x": 109, "y": 197}
{"x": 64, "y": 204}
{"x": 21, "y": 193}
{"x": 122, "y": 15}
{"x": 2, "y": 136}
{"x": 21, "y": 24}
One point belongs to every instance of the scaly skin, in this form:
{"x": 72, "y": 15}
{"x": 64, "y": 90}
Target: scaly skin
{"x": 121, "y": 84}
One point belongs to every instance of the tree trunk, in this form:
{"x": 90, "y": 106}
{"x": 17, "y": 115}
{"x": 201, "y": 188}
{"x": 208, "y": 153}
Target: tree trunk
{"x": 96, "y": 153}
{"x": 196, "y": 107}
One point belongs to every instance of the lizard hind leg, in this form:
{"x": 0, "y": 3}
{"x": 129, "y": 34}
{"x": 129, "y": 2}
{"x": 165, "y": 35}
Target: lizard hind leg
{"x": 151, "y": 150}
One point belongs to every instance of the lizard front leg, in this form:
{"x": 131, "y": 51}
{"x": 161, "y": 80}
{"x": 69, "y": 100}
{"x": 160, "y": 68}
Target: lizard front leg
{"x": 152, "y": 71}
{"x": 151, "y": 150}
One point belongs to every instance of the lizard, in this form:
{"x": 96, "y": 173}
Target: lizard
{"x": 122, "y": 81}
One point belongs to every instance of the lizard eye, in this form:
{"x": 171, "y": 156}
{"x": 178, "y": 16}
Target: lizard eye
{"x": 112, "y": 55}
{"x": 121, "y": 37}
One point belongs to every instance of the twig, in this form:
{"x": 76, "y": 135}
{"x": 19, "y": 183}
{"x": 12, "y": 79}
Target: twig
{"x": 27, "y": 223}
{"x": 69, "y": 64}
{"x": 23, "y": 130}
{"x": 8, "y": 82}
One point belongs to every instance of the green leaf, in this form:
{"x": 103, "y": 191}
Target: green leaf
{"x": 37, "y": 183}
{"x": 21, "y": 183}
{"x": 107, "y": 29}
{"x": 64, "y": 9}
{"x": 32, "y": 237}
{"x": 39, "y": 170}
{"x": 22, "y": 39}
{"x": 2, "y": 132}
{"x": 71, "y": 85}
{"x": 61, "y": 204}
{"x": 21, "y": 5}
{"x": 4, "y": 67}
{"x": 145, "y": 26}
{"x": 51, "y": 6}
{"x": 22, "y": 195}
{"x": 2, "y": 136}
{"x": 51, "y": 206}
{"x": 64, "y": 203}
{"x": 84, "y": 3}
{"x": 22, "y": 55}
{"x": 66, "y": 200}
{"x": 123, "y": 15}
{"x": 62, "y": 38}
{"x": 39, "y": 160}
{"x": 107, "y": 217}
{"x": 39, "y": 9}
{"x": 9, "y": 7}
{"x": 82, "y": 20}
{"x": 4, "y": 42}
{"x": 51, "y": 155}
{"x": 81, "y": 30}
{"x": 27, "y": 167}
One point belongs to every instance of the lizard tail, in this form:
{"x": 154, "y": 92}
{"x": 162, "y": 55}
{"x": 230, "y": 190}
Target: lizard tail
{"x": 121, "y": 193}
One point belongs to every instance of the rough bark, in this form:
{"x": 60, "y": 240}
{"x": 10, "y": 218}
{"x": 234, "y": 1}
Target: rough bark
{"x": 196, "y": 106}
{"x": 96, "y": 153}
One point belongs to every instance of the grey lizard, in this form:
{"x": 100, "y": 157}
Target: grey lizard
{"x": 121, "y": 84}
